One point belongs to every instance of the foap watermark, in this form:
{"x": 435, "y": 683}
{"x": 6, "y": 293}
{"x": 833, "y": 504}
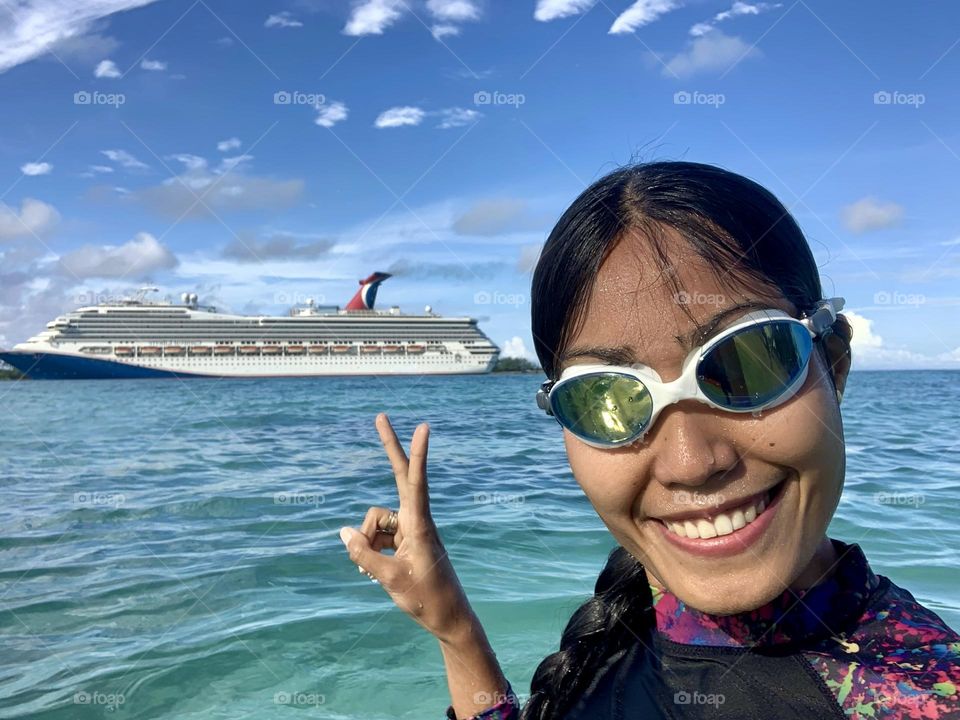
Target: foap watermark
{"x": 295, "y": 298}
{"x": 92, "y": 298}
{"x": 95, "y": 97}
{"x": 885, "y": 297}
{"x": 301, "y": 699}
{"x": 695, "y": 97}
{"x": 487, "y": 698}
{"x": 698, "y": 499}
{"x": 110, "y": 701}
{"x": 297, "y": 97}
{"x": 484, "y": 297}
{"x": 93, "y": 498}
{"x": 889, "y": 497}
{"x": 495, "y": 97}
{"x": 684, "y": 697}
{"x": 498, "y": 498}
{"x": 698, "y": 298}
{"x": 298, "y": 497}
{"x": 895, "y": 97}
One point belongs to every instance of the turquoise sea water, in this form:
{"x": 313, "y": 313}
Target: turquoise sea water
{"x": 169, "y": 549}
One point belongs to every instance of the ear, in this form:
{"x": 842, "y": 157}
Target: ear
{"x": 837, "y": 350}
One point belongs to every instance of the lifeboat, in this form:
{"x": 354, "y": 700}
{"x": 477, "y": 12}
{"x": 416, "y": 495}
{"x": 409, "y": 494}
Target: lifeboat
{"x": 248, "y": 350}
{"x": 150, "y": 351}
{"x": 415, "y": 348}
{"x": 200, "y": 350}
{"x": 295, "y": 350}
{"x": 369, "y": 349}
{"x": 318, "y": 350}
{"x": 340, "y": 348}
{"x": 271, "y": 350}
{"x": 123, "y": 351}
{"x": 223, "y": 350}
{"x": 391, "y": 348}
{"x": 173, "y": 350}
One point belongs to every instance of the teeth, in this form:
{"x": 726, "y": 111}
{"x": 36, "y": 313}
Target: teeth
{"x": 722, "y": 523}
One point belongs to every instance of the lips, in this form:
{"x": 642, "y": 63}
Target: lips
{"x": 724, "y": 519}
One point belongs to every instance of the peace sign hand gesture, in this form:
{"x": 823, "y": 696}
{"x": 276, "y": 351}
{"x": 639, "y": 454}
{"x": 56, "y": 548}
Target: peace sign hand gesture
{"x": 419, "y": 576}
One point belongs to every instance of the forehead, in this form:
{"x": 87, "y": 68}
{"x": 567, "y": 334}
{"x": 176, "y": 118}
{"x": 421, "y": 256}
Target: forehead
{"x": 638, "y": 303}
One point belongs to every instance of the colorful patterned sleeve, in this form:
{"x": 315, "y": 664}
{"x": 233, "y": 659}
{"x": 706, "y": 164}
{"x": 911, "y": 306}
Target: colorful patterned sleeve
{"x": 508, "y": 708}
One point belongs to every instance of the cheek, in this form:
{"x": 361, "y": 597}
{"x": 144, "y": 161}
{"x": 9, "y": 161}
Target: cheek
{"x": 608, "y": 478}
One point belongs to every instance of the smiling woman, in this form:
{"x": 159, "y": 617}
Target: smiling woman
{"x": 696, "y": 369}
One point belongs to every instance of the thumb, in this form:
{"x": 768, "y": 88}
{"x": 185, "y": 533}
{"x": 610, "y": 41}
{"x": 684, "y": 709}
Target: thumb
{"x": 358, "y": 547}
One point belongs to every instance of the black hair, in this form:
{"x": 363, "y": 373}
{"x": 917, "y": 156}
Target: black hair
{"x": 749, "y": 238}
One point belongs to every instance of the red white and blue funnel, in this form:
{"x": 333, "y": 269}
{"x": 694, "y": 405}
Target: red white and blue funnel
{"x": 367, "y": 294}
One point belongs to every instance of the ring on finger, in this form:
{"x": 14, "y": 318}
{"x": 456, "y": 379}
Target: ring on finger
{"x": 390, "y": 524}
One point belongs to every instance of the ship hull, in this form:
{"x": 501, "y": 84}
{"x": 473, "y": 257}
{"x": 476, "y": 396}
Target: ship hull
{"x": 62, "y": 366}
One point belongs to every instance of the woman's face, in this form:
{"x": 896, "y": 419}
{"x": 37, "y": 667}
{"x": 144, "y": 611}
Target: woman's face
{"x": 697, "y": 461}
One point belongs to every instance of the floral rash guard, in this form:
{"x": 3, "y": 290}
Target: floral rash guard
{"x": 854, "y": 647}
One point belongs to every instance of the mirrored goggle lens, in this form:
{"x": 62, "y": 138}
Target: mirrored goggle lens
{"x": 602, "y": 407}
{"x": 755, "y": 365}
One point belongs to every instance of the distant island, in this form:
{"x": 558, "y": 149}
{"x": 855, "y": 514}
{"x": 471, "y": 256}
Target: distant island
{"x": 510, "y": 364}
{"x": 8, "y": 373}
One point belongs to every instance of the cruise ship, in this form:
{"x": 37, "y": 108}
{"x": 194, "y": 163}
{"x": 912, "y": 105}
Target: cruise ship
{"x": 139, "y": 338}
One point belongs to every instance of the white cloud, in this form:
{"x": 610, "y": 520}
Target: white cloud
{"x": 642, "y": 12}
{"x": 870, "y": 214}
{"x": 372, "y": 17}
{"x": 137, "y": 258}
{"x": 154, "y": 65}
{"x": 457, "y": 117}
{"x": 736, "y": 10}
{"x": 228, "y": 144}
{"x": 454, "y": 10}
{"x": 124, "y": 159}
{"x": 101, "y": 169}
{"x": 32, "y": 28}
{"x": 282, "y": 20}
{"x": 516, "y": 348}
{"x": 329, "y": 114}
{"x": 553, "y": 9}
{"x": 400, "y": 116}
{"x": 33, "y": 168}
{"x": 107, "y": 69}
{"x": 34, "y": 218}
{"x": 441, "y": 30}
{"x": 190, "y": 162}
{"x": 712, "y": 52}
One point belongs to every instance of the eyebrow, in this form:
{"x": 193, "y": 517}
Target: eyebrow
{"x": 625, "y": 355}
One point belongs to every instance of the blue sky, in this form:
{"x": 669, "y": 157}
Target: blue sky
{"x": 260, "y": 153}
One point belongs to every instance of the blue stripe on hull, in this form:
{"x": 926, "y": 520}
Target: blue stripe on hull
{"x": 48, "y": 366}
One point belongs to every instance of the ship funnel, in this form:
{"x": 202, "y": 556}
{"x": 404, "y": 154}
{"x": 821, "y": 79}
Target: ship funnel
{"x": 367, "y": 294}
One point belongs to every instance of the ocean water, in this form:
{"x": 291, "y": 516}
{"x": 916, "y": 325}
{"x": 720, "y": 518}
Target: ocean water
{"x": 169, "y": 549}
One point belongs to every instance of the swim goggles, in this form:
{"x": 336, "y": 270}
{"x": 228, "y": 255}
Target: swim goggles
{"x": 758, "y": 363}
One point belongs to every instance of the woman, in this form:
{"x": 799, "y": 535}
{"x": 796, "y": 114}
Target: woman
{"x": 696, "y": 369}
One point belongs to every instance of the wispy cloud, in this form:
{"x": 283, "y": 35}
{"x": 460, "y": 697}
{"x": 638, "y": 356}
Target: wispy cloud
{"x": 736, "y": 10}
{"x": 107, "y": 69}
{"x": 329, "y": 114}
{"x": 447, "y": 15}
{"x": 713, "y": 52}
{"x": 153, "y": 65}
{"x": 548, "y": 10}
{"x": 282, "y": 20}
{"x": 870, "y": 214}
{"x": 280, "y": 246}
{"x": 124, "y": 159}
{"x": 457, "y": 117}
{"x": 32, "y": 28}
{"x": 228, "y": 144}
{"x": 400, "y": 116}
{"x": 642, "y": 12}
{"x": 372, "y": 17}
{"x": 34, "y": 168}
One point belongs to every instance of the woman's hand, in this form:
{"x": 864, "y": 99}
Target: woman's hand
{"x": 418, "y": 576}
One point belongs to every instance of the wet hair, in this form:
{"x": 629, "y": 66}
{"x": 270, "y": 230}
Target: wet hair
{"x": 749, "y": 239}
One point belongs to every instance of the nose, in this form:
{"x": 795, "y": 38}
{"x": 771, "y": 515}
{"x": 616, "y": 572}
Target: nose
{"x": 688, "y": 446}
